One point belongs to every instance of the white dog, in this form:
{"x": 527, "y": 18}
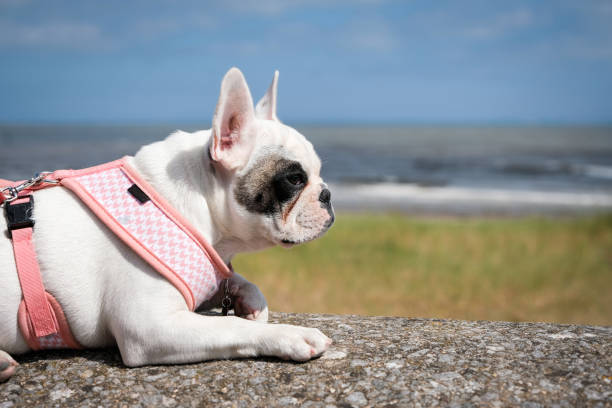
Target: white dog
{"x": 248, "y": 183}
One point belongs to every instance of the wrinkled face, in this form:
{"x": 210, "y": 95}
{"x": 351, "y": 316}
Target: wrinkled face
{"x": 281, "y": 184}
{"x": 274, "y": 193}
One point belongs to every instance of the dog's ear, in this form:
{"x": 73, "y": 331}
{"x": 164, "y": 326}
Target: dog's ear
{"x": 266, "y": 107}
{"x": 230, "y": 126}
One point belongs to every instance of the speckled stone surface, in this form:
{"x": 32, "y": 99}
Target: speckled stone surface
{"x": 375, "y": 361}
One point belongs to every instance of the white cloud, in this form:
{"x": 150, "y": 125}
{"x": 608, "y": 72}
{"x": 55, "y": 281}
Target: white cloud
{"x": 588, "y": 48}
{"x": 9, "y": 3}
{"x": 87, "y": 35}
{"x": 275, "y": 7}
{"x": 500, "y": 25}
{"x": 238, "y": 48}
{"x": 589, "y": 37}
{"x": 369, "y": 36}
{"x": 62, "y": 34}
{"x": 153, "y": 27}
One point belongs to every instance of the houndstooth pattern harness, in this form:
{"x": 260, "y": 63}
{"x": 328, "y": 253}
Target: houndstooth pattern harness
{"x": 133, "y": 210}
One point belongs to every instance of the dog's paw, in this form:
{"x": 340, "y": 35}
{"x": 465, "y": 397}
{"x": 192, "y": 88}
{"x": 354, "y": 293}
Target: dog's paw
{"x": 249, "y": 302}
{"x": 298, "y": 343}
{"x": 7, "y": 366}
{"x": 259, "y": 315}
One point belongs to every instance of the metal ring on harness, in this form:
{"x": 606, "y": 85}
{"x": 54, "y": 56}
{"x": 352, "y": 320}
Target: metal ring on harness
{"x": 11, "y": 193}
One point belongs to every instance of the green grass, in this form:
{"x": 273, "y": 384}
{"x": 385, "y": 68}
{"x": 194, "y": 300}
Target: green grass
{"x": 517, "y": 269}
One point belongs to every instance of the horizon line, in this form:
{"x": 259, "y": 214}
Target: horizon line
{"x": 315, "y": 123}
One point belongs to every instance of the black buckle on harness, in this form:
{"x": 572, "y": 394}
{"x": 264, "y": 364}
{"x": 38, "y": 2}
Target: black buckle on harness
{"x": 19, "y": 215}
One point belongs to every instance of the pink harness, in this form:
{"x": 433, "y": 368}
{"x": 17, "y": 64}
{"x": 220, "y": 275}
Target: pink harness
{"x": 132, "y": 209}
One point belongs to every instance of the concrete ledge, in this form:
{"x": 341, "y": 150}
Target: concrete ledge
{"x": 375, "y": 361}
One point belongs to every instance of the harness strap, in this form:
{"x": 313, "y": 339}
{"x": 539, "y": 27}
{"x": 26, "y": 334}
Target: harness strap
{"x": 136, "y": 213}
{"x": 34, "y": 294}
{"x": 20, "y": 228}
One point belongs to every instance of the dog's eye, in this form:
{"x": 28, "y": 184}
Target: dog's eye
{"x": 296, "y": 179}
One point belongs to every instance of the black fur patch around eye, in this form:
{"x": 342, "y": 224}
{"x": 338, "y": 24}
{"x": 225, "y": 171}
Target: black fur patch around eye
{"x": 270, "y": 184}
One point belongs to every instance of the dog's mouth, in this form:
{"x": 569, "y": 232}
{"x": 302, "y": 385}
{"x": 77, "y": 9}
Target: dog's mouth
{"x": 287, "y": 243}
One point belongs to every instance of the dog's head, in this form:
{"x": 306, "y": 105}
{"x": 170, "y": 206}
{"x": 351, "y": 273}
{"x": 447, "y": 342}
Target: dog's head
{"x": 270, "y": 172}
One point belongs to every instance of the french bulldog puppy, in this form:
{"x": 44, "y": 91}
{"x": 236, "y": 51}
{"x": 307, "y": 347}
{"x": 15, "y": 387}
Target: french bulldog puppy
{"x": 248, "y": 183}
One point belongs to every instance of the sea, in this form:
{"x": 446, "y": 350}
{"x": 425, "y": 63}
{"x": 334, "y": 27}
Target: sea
{"x": 445, "y": 170}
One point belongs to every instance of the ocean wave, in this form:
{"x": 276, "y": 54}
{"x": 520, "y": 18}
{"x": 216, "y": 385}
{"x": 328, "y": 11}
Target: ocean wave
{"x": 464, "y": 199}
{"x": 604, "y": 172}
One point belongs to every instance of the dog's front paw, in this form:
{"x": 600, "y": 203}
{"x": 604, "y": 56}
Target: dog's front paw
{"x": 249, "y": 302}
{"x": 7, "y": 366}
{"x": 297, "y": 343}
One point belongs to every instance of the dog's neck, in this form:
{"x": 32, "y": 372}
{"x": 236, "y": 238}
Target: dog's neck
{"x": 180, "y": 169}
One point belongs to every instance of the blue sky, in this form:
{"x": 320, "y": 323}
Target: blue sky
{"x": 339, "y": 61}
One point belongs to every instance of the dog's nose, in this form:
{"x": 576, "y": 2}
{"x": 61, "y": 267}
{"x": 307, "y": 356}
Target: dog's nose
{"x": 325, "y": 196}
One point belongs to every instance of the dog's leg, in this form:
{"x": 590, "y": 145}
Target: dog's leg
{"x": 186, "y": 337}
{"x": 247, "y": 299}
{"x": 249, "y": 302}
{"x": 7, "y": 366}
